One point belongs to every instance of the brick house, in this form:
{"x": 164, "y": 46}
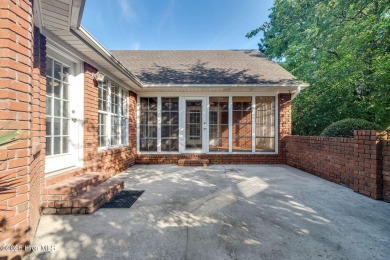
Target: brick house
{"x": 84, "y": 113}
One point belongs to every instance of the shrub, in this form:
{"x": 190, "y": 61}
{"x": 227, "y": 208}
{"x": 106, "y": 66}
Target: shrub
{"x": 345, "y": 127}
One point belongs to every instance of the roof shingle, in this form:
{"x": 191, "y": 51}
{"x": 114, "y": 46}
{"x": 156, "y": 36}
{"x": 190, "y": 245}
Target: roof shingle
{"x": 237, "y": 67}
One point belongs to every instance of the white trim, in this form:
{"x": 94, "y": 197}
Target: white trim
{"x": 159, "y": 124}
{"x": 253, "y": 123}
{"x": 81, "y": 33}
{"x": 302, "y": 85}
{"x": 230, "y": 124}
{"x": 38, "y": 21}
{"x": 277, "y": 129}
{"x": 76, "y": 110}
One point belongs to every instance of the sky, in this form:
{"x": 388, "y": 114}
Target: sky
{"x": 175, "y": 24}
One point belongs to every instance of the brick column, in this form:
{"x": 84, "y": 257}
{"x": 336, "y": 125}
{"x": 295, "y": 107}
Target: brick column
{"x": 38, "y": 127}
{"x": 386, "y": 169}
{"x": 91, "y": 144}
{"x": 368, "y": 178}
{"x": 16, "y": 113}
{"x": 133, "y": 123}
{"x": 284, "y": 121}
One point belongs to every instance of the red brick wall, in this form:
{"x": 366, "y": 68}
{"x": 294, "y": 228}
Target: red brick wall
{"x": 330, "y": 158}
{"x": 20, "y": 164}
{"x": 113, "y": 160}
{"x": 38, "y": 128}
{"x": 361, "y": 162}
{"x": 214, "y": 158}
{"x": 386, "y": 169}
{"x": 368, "y": 179}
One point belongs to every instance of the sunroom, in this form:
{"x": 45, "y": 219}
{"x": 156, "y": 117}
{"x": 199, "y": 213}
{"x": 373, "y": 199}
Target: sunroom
{"x": 208, "y": 102}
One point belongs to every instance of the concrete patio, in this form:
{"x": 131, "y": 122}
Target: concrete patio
{"x": 225, "y": 212}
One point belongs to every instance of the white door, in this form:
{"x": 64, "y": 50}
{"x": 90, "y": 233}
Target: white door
{"x": 61, "y": 126}
{"x": 195, "y": 125}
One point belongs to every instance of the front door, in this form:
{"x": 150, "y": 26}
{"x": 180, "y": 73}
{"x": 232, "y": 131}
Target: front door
{"x": 61, "y": 126}
{"x": 195, "y": 125}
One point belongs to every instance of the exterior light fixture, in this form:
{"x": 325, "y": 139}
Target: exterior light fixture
{"x": 99, "y": 76}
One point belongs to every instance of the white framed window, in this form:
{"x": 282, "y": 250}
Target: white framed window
{"x": 265, "y": 124}
{"x": 57, "y": 107}
{"x": 148, "y": 125}
{"x": 113, "y": 119}
{"x": 236, "y": 123}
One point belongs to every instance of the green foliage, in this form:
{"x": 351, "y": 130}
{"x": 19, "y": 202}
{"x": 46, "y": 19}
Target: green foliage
{"x": 9, "y": 137}
{"x": 345, "y": 127}
{"x": 342, "y": 49}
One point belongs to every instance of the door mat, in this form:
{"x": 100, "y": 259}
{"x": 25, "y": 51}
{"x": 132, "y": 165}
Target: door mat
{"x": 124, "y": 199}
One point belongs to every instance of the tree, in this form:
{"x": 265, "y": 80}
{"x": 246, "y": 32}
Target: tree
{"x": 342, "y": 49}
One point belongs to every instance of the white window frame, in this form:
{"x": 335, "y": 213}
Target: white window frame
{"x": 109, "y": 114}
{"x": 196, "y": 96}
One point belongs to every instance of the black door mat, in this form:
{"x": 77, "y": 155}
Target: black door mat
{"x": 124, "y": 199}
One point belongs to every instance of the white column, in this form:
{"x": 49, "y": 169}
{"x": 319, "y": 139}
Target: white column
{"x": 159, "y": 124}
{"x": 230, "y": 124}
{"x": 253, "y": 124}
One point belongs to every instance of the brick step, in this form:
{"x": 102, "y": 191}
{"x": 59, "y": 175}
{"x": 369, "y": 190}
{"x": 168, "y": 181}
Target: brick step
{"x": 85, "y": 203}
{"x": 193, "y": 162}
{"x": 74, "y": 186}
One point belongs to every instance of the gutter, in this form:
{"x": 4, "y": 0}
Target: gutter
{"x": 296, "y": 93}
{"x": 83, "y": 35}
{"x": 224, "y": 85}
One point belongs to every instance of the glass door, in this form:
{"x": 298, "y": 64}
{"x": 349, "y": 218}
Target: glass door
{"x": 195, "y": 125}
{"x": 59, "y": 125}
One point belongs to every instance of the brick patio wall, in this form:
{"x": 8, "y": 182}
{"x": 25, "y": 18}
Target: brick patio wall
{"x": 386, "y": 169}
{"x": 330, "y": 158}
{"x": 360, "y": 163}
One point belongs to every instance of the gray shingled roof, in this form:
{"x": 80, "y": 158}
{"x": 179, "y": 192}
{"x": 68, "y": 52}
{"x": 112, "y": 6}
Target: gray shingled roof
{"x": 203, "y": 67}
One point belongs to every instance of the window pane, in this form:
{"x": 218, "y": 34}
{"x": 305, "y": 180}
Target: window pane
{"x": 152, "y": 118}
{"x": 49, "y": 87}
{"x": 65, "y": 142}
{"x": 218, "y": 124}
{"x": 144, "y": 103}
{"x": 152, "y": 103}
{"x": 48, "y": 145}
{"x": 143, "y": 145}
{"x": 242, "y": 124}
{"x": 265, "y": 124}
{"x": 57, "y": 145}
{"x": 164, "y": 131}
{"x": 265, "y": 144}
{"x": 57, "y": 126}
{"x": 65, "y": 126}
{"x": 65, "y": 109}
{"x": 57, "y": 107}
{"x": 49, "y": 122}
{"x": 169, "y": 145}
{"x": 49, "y": 67}
{"x": 152, "y": 143}
{"x": 65, "y": 74}
{"x": 57, "y": 89}
{"x": 49, "y": 110}
{"x": 102, "y": 122}
{"x": 57, "y": 70}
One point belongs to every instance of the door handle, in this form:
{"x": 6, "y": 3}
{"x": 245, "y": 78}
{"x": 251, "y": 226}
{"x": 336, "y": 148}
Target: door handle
{"x": 74, "y": 119}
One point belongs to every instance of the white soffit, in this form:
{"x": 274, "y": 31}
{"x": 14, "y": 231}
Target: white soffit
{"x": 61, "y": 18}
